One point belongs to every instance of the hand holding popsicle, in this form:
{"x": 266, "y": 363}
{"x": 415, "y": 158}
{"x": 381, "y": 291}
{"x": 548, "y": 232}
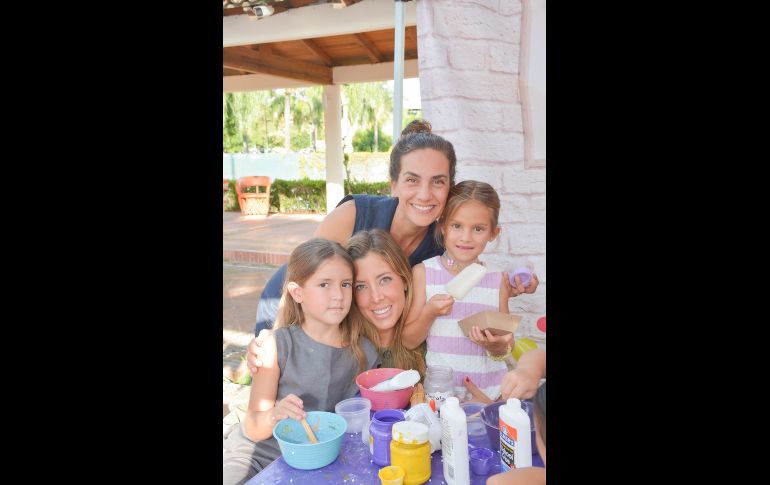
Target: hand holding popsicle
{"x": 439, "y": 305}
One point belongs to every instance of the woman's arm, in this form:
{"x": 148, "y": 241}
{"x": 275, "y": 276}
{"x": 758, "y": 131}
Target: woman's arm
{"x": 338, "y": 224}
{"x": 533, "y": 475}
{"x": 263, "y": 411}
{"x": 522, "y": 382}
{"x": 255, "y": 353}
{"x": 422, "y": 313}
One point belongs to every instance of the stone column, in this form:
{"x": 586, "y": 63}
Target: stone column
{"x": 335, "y": 173}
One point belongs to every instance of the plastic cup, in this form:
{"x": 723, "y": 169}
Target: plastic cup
{"x": 481, "y": 460}
{"x": 477, "y": 433}
{"x": 391, "y": 475}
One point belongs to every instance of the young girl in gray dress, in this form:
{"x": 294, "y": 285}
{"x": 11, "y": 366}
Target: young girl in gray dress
{"x": 309, "y": 363}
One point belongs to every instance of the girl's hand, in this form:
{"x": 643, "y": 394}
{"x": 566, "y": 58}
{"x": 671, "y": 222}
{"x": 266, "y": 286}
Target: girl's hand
{"x": 440, "y": 305}
{"x": 519, "y": 383}
{"x": 256, "y": 353}
{"x": 496, "y": 345}
{"x": 288, "y": 407}
{"x": 518, "y": 289}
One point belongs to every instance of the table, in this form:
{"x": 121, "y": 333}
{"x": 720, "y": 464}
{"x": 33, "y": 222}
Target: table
{"x": 354, "y": 465}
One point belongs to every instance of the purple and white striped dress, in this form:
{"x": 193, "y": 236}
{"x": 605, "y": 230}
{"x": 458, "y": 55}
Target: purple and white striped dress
{"x": 447, "y": 345}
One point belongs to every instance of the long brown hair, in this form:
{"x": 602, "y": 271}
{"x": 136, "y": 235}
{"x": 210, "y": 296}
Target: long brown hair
{"x": 381, "y": 242}
{"x": 460, "y": 194}
{"x": 303, "y": 263}
{"x": 416, "y": 136}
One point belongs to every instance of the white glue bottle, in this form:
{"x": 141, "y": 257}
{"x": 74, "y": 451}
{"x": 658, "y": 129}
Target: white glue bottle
{"x": 515, "y": 436}
{"x": 454, "y": 443}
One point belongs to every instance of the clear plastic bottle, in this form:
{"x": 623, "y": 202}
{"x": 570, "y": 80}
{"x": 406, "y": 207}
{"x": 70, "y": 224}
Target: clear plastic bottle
{"x": 515, "y": 436}
{"x": 438, "y": 384}
{"x": 454, "y": 443}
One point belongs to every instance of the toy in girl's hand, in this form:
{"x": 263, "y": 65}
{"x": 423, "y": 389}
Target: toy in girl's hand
{"x": 524, "y": 274}
{"x": 465, "y": 280}
{"x": 522, "y": 345}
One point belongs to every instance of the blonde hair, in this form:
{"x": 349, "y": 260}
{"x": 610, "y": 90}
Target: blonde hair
{"x": 381, "y": 242}
{"x": 460, "y": 194}
{"x": 303, "y": 263}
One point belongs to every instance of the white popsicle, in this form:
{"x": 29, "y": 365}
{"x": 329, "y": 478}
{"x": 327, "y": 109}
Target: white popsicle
{"x": 402, "y": 380}
{"x": 465, "y": 280}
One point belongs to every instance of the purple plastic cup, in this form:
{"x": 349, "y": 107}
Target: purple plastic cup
{"x": 490, "y": 415}
{"x": 477, "y": 434}
{"x": 524, "y": 274}
{"x": 481, "y": 460}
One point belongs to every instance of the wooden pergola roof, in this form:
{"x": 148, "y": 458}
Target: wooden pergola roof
{"x": 312, "y": 59}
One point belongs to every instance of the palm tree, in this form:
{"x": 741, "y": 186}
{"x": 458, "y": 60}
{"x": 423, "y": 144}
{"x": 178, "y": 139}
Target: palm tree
{"x": 370, "y": 104}
{"x": 307, "y": 108}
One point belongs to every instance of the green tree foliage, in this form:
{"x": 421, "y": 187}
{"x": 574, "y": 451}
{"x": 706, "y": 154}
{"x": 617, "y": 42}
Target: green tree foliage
{"x": 370, "y": 105}
{"x": 261, "y": 118}
{"x": 363, "y": 141}
{"x": 231, "y": 138}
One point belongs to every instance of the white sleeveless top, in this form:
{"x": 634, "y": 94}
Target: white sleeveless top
{"x": 447, "y": 345}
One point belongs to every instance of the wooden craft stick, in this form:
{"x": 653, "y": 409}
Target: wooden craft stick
{"x": 310, "y": 434}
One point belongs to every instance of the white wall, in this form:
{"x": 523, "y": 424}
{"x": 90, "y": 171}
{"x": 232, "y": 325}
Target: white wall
{"x": 469, "y": 78}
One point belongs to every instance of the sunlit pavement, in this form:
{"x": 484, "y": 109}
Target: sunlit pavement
{"x": 253, "y": 247}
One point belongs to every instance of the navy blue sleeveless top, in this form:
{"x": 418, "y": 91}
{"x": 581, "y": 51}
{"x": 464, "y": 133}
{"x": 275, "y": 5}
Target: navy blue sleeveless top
{"x": 376, "y": 212}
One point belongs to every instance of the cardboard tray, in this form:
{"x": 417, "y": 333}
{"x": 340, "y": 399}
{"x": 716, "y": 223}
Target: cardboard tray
{"x": 498, "y": 323}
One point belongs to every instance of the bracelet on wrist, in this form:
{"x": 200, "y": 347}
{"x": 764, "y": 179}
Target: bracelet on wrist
{"x": 500, "y": 357}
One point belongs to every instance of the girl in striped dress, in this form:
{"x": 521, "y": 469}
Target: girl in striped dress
{"x": 468, "y": 224}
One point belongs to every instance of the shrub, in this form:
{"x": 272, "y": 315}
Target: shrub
{"x": 304, "y": 195}
{"x": 363, "y": 141}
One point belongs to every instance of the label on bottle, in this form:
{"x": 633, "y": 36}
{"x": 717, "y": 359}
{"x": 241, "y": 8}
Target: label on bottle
{"x": 371, "y": 444}
{"x": 508, "y": 440}
{"x": 446, "y": 448}
{"x": 438, "y": 396}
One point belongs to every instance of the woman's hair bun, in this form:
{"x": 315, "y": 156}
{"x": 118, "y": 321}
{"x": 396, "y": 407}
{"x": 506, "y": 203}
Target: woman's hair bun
{"x": 417, "y": 126}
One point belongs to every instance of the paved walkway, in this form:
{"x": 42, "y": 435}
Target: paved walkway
{"x": 253, "y": 247}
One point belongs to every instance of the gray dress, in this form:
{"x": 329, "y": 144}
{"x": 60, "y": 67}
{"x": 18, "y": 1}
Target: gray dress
{"x": 318, "y": 374}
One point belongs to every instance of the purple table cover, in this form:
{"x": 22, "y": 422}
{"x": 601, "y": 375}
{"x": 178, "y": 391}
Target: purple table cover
{"x": 354, "y": 465}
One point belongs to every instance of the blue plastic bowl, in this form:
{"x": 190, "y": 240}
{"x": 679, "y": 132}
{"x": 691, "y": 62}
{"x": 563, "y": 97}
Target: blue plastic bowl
{"x": 297, "y": 450}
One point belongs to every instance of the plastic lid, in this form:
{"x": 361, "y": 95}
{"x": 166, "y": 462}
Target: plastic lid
{"x": 410, "y": 432}
{"x": 353, "y": 405}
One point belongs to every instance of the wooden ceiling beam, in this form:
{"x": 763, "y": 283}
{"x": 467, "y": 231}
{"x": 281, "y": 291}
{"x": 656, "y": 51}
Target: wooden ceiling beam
{"x": 317, "y": 50}
{"x": 277, "y": 8}
{"x": 369, "y": 47}
{"x": 410, "y": 33}
{"x": 245, "y": 59}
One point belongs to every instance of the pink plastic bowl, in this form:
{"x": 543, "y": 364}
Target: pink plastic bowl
{"x": 383, "y": 399}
